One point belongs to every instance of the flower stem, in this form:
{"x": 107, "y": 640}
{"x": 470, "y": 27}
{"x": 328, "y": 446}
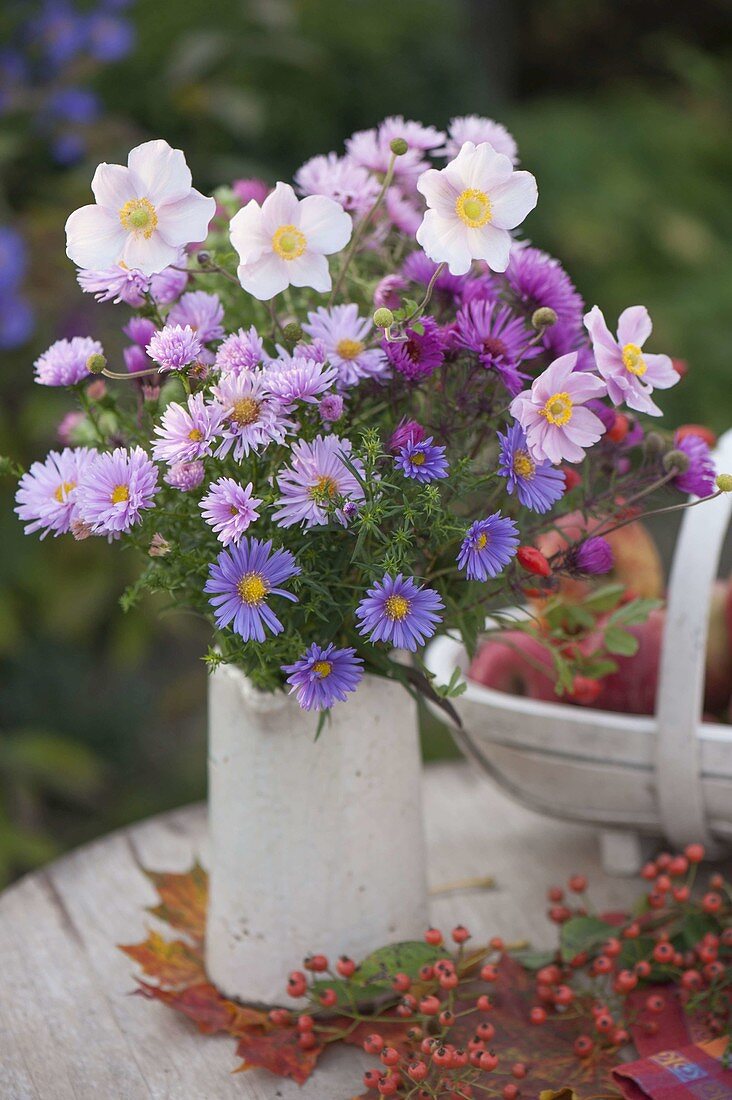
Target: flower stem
{"x": 361, "y": 229}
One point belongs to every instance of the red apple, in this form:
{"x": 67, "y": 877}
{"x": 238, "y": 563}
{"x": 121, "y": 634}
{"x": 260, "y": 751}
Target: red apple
{"x": 509, "y": 663}
{"x": 631, "y": 689}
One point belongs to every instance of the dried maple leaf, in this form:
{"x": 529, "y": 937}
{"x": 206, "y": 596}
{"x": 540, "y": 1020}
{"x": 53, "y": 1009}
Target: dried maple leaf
{"x": 172, "y": 962}
{"x": 183, "y": 899}
{"x": 201, "y": 1003}
{"x": 278, "y": 1051}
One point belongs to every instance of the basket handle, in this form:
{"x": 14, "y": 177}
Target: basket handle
{"x": 680, "y": 700}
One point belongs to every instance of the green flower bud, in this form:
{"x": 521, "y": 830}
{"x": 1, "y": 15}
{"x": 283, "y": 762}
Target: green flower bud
{"x": 292, "y": 332}
{"x": 676, "y": 462}
{"x": 95, "y": 364}
{"x": 544, "y": 317}
{"x": 203, "y": 257}
{"x": 398, "y": 147}
{"x": 724, "y": 483}
{"x": 655, "y": 444}
{"x": 383, "y": 317}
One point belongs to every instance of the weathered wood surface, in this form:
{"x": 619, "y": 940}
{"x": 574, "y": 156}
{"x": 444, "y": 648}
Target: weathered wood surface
{"x": 69, "y": 1030}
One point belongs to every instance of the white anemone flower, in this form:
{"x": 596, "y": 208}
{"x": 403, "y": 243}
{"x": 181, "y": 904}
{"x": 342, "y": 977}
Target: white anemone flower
{"x": 473, "y": 203}
{"x": 285, "y": 241}
{"x": 143, "y": 215}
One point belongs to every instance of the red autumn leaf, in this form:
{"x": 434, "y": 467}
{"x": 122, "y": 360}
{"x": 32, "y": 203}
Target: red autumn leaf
{"x": 172, "y": 962}
{"x": 278, "y": 1050}
{"x": 183, "y": 899}
{"x": 202, "y": 1003}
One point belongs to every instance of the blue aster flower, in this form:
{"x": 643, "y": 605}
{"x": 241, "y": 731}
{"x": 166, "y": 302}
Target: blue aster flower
{"x": 423, "y": 461}
{"x": 323, "y": 676}
{"x": 241, "y": 580}
{"x": 400, "y": 611}
{"x": 488, "y": 547}
{"x": 538, "y": 485}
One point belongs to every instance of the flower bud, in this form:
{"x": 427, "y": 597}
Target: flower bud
{"x": 655, "y": 444}
{"x": 383, "y": 317}
{"x": 544, "y": 317}
{"x": 159, "y": 546}
{"x": 203, "y": 257}
{"x": 676, "y": 462}
{"x": 95, "y": 364}
{"x": 724, "y": 483}
{"x": 292, "y": 332}
{"x": 398, "y": 146}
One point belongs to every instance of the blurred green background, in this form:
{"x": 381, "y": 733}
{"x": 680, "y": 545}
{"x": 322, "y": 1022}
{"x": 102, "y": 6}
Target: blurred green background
{"x": 622, "y": 110}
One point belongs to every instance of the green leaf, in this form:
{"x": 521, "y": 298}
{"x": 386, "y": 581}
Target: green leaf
{"x": 633, "y": 613}
{"x": 534, "y": 960}
{"x": 399, "y": 958}
{"x": 621, "y": 642}
{"x": 583, "y": 934}
{"x": 605, "y": 598}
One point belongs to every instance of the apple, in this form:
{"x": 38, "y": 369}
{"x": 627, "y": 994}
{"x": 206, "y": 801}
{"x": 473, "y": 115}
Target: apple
{"x": 631, "y": 689}
{"x": 718, "y": 678}
{"x": 508, "y": 663}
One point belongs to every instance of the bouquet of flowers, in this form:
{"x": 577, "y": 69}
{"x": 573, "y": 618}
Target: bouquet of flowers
{"x": 349, "y": 408}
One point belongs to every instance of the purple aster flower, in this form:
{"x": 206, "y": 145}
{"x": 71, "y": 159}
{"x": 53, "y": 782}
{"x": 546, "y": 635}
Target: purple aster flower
{"x": 116, "y": 487}
{"x": 388, "y": 292}
{"x": 185, "y": 476}
{"x": 423, "y": 461}
{"x": 400, "y": 611}
{"x": 175, "y": 347}
{"x": 537, "y": 279}
{"x": 200, "y": 311}
{"x": 404, "y": 214}
{"x": 630, "y": 373}
{"x": 323, "y": 676}
{"x": 553, "y": 412}
{"x": 415, "y": 134}
{"x": 240, "y": 582}
{"x": 419, "y": 268}
{"x": 229, "y": 508}
{"x": 136, "y": 359}
{"x": 339, "y": 178}
{"x": 592, "y": 555}
{"x": 538, "y": 485}
{"x": 477, "y": 129}
{"x": 317, "y": 482}
{"x": 140, "y": 330}
{"x": 406, "y": 431}
{"x": 242, "y": 350}
{"x": 299, "y": 379}
{"x": 344, "y": 336}
{"x": 330, "y": 408}
{"x": 64, "y": 363}
{"x": 488, "y": 547}
{"x": 115, "y": 284}
{"x": 47, "y": 493}
{"x": 248, "y": 189}
{"x": 698, "y": 477}
{"x": 253, "y": 416}
{"x": 420, "y": 354}
{"x": 498, "y": 337}
{"x": 187, "y": 432}
{"x": 169, "y": 284}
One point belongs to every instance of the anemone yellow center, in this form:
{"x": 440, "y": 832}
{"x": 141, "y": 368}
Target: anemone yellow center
{"x": 349, "y": 349}
{"x": 473, "y": 208}
{"x": 140, "y": 217}
{"x": 288, "y": 242}
{"x": 482, "y": 541}
{"x": 62, "y": 493}
{"x": 252, "y": 588}
{"x": 119, "y": 494}
{"x": 195, "y": 435}
{"x": 245, "y": 411}
{"x": 523, "y": 464}
{"x": 558, "y": 409}
{"x": 323, "y": 668}
{"x": 633, "y": 360}
{"x": 396, "y": 607}
{"x": 323, "y": 490}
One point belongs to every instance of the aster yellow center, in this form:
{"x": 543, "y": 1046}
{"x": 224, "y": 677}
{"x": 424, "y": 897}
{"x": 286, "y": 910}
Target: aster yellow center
{"x": 396, "y": 607}
{"x": 482, "y": 541}
{"x": 633, "y": 360}
{"x": 558, "y": 409}
{"x": 418, "y": 459}
{"x": 323, "y": 668}
{"x": 119, "y": 494}
{"x": 349, "y": 349}
{"x": 139, "y": 216}
{"x": 473, "y": 208}
{"x": 195, "y": 435}
{"x": 288, "y": 242}
{"x": 245, "y": 411}
{"x": 252, "y": 588}
{"x": 523, "y": 464}
{"x": 323, "y": 490}
{"x": 62, "y": 493}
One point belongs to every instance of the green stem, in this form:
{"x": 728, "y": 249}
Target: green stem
{"x": 361, "y": 229}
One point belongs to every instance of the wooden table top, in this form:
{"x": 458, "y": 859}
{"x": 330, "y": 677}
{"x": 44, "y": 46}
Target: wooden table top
{"x": 69, "y": 1030}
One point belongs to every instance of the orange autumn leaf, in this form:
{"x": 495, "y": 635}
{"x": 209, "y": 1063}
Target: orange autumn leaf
{"x": 278, "y": 1051}
{"x": 172, "y": 962}
{"x": 201, "y": 1003}
{"x": 183, "y": 899}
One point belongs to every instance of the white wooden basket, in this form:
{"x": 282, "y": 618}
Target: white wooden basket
{"x": 669, "y": 775}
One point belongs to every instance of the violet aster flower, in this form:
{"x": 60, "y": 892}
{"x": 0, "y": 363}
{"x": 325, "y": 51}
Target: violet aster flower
{"x": 64, "y": 363}
{"x": 339, "y": 178}
{"x": 253, "y": 416}
{"x": 420, "y": 354}
{"x": 187, "y": 432}
{"x": 317, "y": 480}
{"x": 406, "y": 431}
{"x": 592, "y": 555}
{"x": 537, "y": 279}
{"x": 698, "y": 477}
{"x": 136, "y": 359}
{"x": 552, "y": 413}
{"x": 423, "y": 461}
{"x": 344, "y": 336}
{"x": 631, "y": 375}
{"x": 185, "y": 476}
{"x": 229, "y": 508}
{"x": 169, "y": 284}
{"x": 115, "y": 284}
{"x": 488, "y": 547}
{"x": 404, "y": 214}
{"x": 330, "y": 408}
{"x": 324, "y": 676}
{"x": 538, "y": 485}
{"x": 115, "y": 488}
{"x": 241, "y": 351}
{"x": 498, "y": 337}
{"x": 175, "y": 347}
{"x": 399, "y": 611}
{"x": 140, "y": 330}
{"x": 299, "y": 379}
{"x": 240, "y": 582}
{"x": 419, "y": 268}
{"x": 47, "y": 493}
{"x": 202, "y": 312}
{"x": 477, "y": 129}
{"x": 388, "y": 292}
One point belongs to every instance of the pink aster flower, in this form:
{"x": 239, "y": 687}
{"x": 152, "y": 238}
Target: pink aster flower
{"x": 115, "y": 489}
{"x": 553, "y": 412}
{"x": 341, "y": 179}
{"x": 477, "y": 129}
{"x": 115, "y": 284}
{"x": 252, "y": 416}
{"x": 47, "y": 493}
{"x": 187, "y": 432}
{"x": 241, "y": 351}
{"x": 64, "y": 363}
{"x": 229, "y": 508}
{"x": 200, "y": 311}
{"x": 247, "y": 189}
{"x": 345, "y": 336}
{"x": 631, "y": 375}
{"x": 185, "y": 476}
{"x": 371, "y": 148}
{"x": 318, "y": 482}
{"x": 299, "y": 379}
{"x": 175, "y": 347}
